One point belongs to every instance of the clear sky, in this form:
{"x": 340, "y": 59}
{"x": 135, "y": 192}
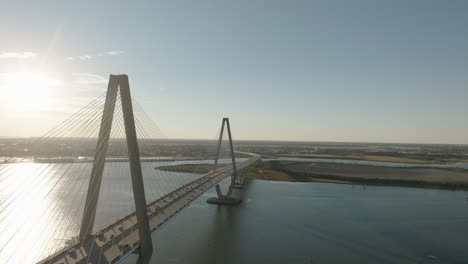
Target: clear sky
{"x": 380, "y": 71}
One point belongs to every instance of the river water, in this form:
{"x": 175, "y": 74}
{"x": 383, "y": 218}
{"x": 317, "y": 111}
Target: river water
{"x": 320, "y": 223}
{"x": 278, "y": 222}
{"x": 41, "y": 204}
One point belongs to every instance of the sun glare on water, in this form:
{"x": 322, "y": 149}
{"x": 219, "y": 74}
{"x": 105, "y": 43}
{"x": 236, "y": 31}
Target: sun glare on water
{"x": 27, "y": 90}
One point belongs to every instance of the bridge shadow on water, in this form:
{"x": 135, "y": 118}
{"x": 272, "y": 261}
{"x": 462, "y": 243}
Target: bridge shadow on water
{"x": 220, "y": 243}
{"x": 201, "y": 233}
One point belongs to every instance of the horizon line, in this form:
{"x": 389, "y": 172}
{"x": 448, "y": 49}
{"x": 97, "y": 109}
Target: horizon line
{"x": 285, "y": 141}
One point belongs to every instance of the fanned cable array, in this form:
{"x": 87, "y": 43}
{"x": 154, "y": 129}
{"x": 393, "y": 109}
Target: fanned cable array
{"x": 42, "y": 197}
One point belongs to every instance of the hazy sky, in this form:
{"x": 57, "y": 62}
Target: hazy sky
{"x": 386, "y": 71}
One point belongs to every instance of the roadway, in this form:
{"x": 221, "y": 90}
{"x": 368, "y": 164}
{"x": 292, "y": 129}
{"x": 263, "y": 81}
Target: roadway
{"x": 116, "y": 241}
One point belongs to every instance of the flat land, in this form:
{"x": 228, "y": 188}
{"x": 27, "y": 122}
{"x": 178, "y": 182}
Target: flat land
{"x": 271, "y": 171}
{"x": 293, "y": 171}
{"x": 383, "y": 158}
{"x": 350, "y": 173}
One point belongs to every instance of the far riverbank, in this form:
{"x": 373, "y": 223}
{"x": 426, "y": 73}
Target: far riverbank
{"x": 308, "y": 171}
{"x": 304, "y": 171}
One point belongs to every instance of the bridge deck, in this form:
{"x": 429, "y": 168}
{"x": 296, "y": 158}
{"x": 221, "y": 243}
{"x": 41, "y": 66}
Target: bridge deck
{"x": 121, "y": 238}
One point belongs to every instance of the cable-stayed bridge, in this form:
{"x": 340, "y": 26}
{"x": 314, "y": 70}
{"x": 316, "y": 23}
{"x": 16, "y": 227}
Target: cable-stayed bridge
{"x": 92, "y": 189}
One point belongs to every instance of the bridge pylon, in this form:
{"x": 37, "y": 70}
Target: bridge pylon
{"x": 236, "y": 179}
{"x": 146, "y": 245}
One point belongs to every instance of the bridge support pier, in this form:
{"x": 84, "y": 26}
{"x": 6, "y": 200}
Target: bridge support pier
{"x": 218, "y": 190}
{"x": 226, "y": 199}
{"x": 239, "y": 183}
{"x": 238, "y": 186}
{"x": 223, "y": 199}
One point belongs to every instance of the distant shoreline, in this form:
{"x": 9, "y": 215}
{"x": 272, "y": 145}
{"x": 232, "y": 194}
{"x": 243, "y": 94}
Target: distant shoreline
{"x": 365, "y": 174}
{"x": 304, "y": 171}
{"x": 376, "y": 158}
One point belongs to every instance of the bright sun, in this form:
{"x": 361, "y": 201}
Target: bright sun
{"x": 27, "y": 90}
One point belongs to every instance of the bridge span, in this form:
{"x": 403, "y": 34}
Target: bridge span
{"x": 109, "y": 130}
{"x": 113, "y": 243}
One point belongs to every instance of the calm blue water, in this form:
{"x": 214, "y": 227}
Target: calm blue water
{"x": 320, "y": 223}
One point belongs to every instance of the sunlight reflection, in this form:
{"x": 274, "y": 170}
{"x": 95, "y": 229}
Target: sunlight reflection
{"x": 26, "y": 212}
